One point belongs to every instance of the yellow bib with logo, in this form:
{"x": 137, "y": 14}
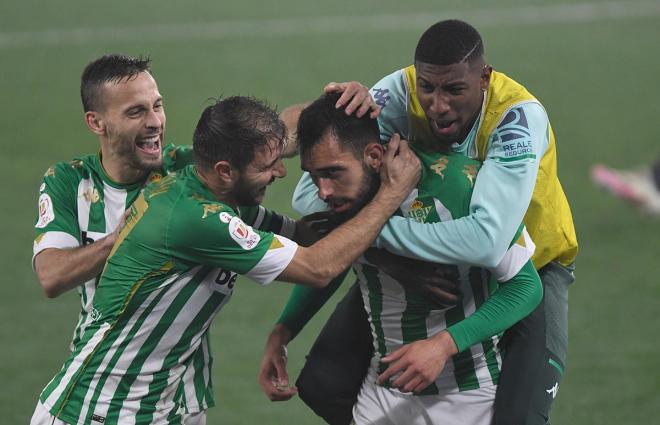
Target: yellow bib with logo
{"x": 548, "y": 218}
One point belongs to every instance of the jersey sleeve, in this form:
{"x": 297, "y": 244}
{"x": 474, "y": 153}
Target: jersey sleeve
{"x": 213, "y": 235}
{"x": 268, "y": 221}
{"x": 512, "y": 301}
{"x": 175, "y": 157}
{"x": 501, "y": 196}
{"x": 391, "y": 95}
{"x": 57, "y": 221}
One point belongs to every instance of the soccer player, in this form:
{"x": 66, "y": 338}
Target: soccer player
{"x": 82, "y": 202}
{"x": 450, "y": 96}
{"x": 175, "y": 263}
{"x": 342, "y": 153}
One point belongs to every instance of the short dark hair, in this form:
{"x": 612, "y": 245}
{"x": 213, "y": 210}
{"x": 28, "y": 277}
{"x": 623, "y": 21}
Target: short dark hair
{"x": 322, "y": 117}
{"x": 108, "y": 69}
{"x": 232, "y": 129}
{"x": 449, "y": 42}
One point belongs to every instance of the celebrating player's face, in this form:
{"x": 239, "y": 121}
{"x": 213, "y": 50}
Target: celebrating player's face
{"x": 451, "y": 96}
{"x": 250, "y": 188}
{"x": 345, "y": 183}
{"x": 134, "y": 120}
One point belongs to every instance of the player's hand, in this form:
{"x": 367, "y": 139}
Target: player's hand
{"x": 418, "y": 364}
{"x": 436, "y": 283}
{"x": 112, "y": 237}
{"x": 273, "y": 378}
{"x": 355, "y": 96}
{"x": 322, "y": 222}
{"x": 400, "y": 169}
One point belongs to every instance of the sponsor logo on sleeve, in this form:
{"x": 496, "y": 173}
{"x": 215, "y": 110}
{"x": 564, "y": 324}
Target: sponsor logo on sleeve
{"x": 225, "y": 217}
{"x": 243, "y": 234}
{"x": 518, "y": 148}
{"x": 46, "y": 213}
{"x": 381, "y": 97}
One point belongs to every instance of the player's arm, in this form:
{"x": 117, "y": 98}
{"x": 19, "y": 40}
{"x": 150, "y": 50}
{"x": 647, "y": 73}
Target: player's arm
{"x": 59, "y": 260}
{"x": 519, "y": 292}
{"x": 62, "y": 269}
{"x": 502, "y": 192}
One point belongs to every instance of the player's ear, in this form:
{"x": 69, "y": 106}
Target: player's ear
{"x": 485, "y": 77}
{"x": 95, "y": 122}
{"x": 225, "y": 172}
{"x": 373, "y": 155}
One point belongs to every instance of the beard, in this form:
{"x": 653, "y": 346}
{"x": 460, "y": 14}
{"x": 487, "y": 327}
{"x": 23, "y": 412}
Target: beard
{"x": 126, "y": 149}
{"x": 368, "y": 189}
{"x": 248, "y": 195}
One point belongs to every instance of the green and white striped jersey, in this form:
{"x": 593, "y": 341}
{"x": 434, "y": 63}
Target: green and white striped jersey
{"x": 80, "y": 204}
{"x": 399, "y": 316}
{"x": 172, "y": 269}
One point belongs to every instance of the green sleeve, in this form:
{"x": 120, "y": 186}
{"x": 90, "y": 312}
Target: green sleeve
{"x": 175, "y": 157}
{"x": 511, "y": 301}
{"x": 304, "y": 302}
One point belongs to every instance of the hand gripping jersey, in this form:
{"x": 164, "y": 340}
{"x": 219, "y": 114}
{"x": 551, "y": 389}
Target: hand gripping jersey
{"x": 399, "y": 316}
{"x": 514, "y": 138}
{"x": 172, "y": 269}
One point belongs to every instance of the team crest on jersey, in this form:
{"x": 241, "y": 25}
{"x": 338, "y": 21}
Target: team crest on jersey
{"x": 91, "y": 195}
{"x": 470, "y": 172}
{"x": 439, "y": 166}
{"x": 418, "y": 211}
{"x": 225, "y": 217}
{"x": 211, "y": 209}
{"x": 46, "y": 213}
{"x": 243, "y": 234}
{"x": 94, "y": 314}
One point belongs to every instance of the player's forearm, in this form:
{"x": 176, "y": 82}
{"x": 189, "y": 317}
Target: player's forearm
{"x": 511, "y": 302}
{"x": 303, "y": 303}
{"x": 333, "y": 254}
{"x": 290, "y": 117}
{"x": 60, "y": 270}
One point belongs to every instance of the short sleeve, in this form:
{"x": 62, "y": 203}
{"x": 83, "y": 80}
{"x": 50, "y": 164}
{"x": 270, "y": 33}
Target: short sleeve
{"x": 212, "y": 234}
{"x": 57, "y": 220}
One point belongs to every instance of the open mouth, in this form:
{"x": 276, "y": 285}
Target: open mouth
{"x": 149, "y": 145}
{"x": 444, "y": 127}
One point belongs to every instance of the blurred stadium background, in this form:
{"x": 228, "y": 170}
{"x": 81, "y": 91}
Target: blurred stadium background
{"x": 594, "y": 65}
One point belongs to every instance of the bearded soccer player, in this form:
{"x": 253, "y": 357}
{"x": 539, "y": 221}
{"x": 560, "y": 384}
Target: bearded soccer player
{"x": 175, "y": 263}
{"x": 342, "y": 155}
{"x": 451, "y": 97}
{"x": 82, "y": 202}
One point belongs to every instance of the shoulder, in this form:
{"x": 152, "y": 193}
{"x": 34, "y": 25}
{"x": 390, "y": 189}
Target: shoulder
{"x": 391, "y": 87}
{"x": 176, "y": 157}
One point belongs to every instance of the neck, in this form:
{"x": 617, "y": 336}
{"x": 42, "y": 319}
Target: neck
{"x": 216, "y": 187}
{"x": 122, "y": 173}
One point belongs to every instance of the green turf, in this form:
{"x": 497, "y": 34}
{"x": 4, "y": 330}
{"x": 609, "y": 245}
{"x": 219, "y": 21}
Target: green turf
{"x": 597, "y": 79}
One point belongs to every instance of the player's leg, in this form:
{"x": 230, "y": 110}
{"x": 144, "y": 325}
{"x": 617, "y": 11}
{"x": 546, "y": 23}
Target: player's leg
{"x": 535, "y": 358}
{"x": 42, "y": 416}
{"x": 338, "y": 361}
